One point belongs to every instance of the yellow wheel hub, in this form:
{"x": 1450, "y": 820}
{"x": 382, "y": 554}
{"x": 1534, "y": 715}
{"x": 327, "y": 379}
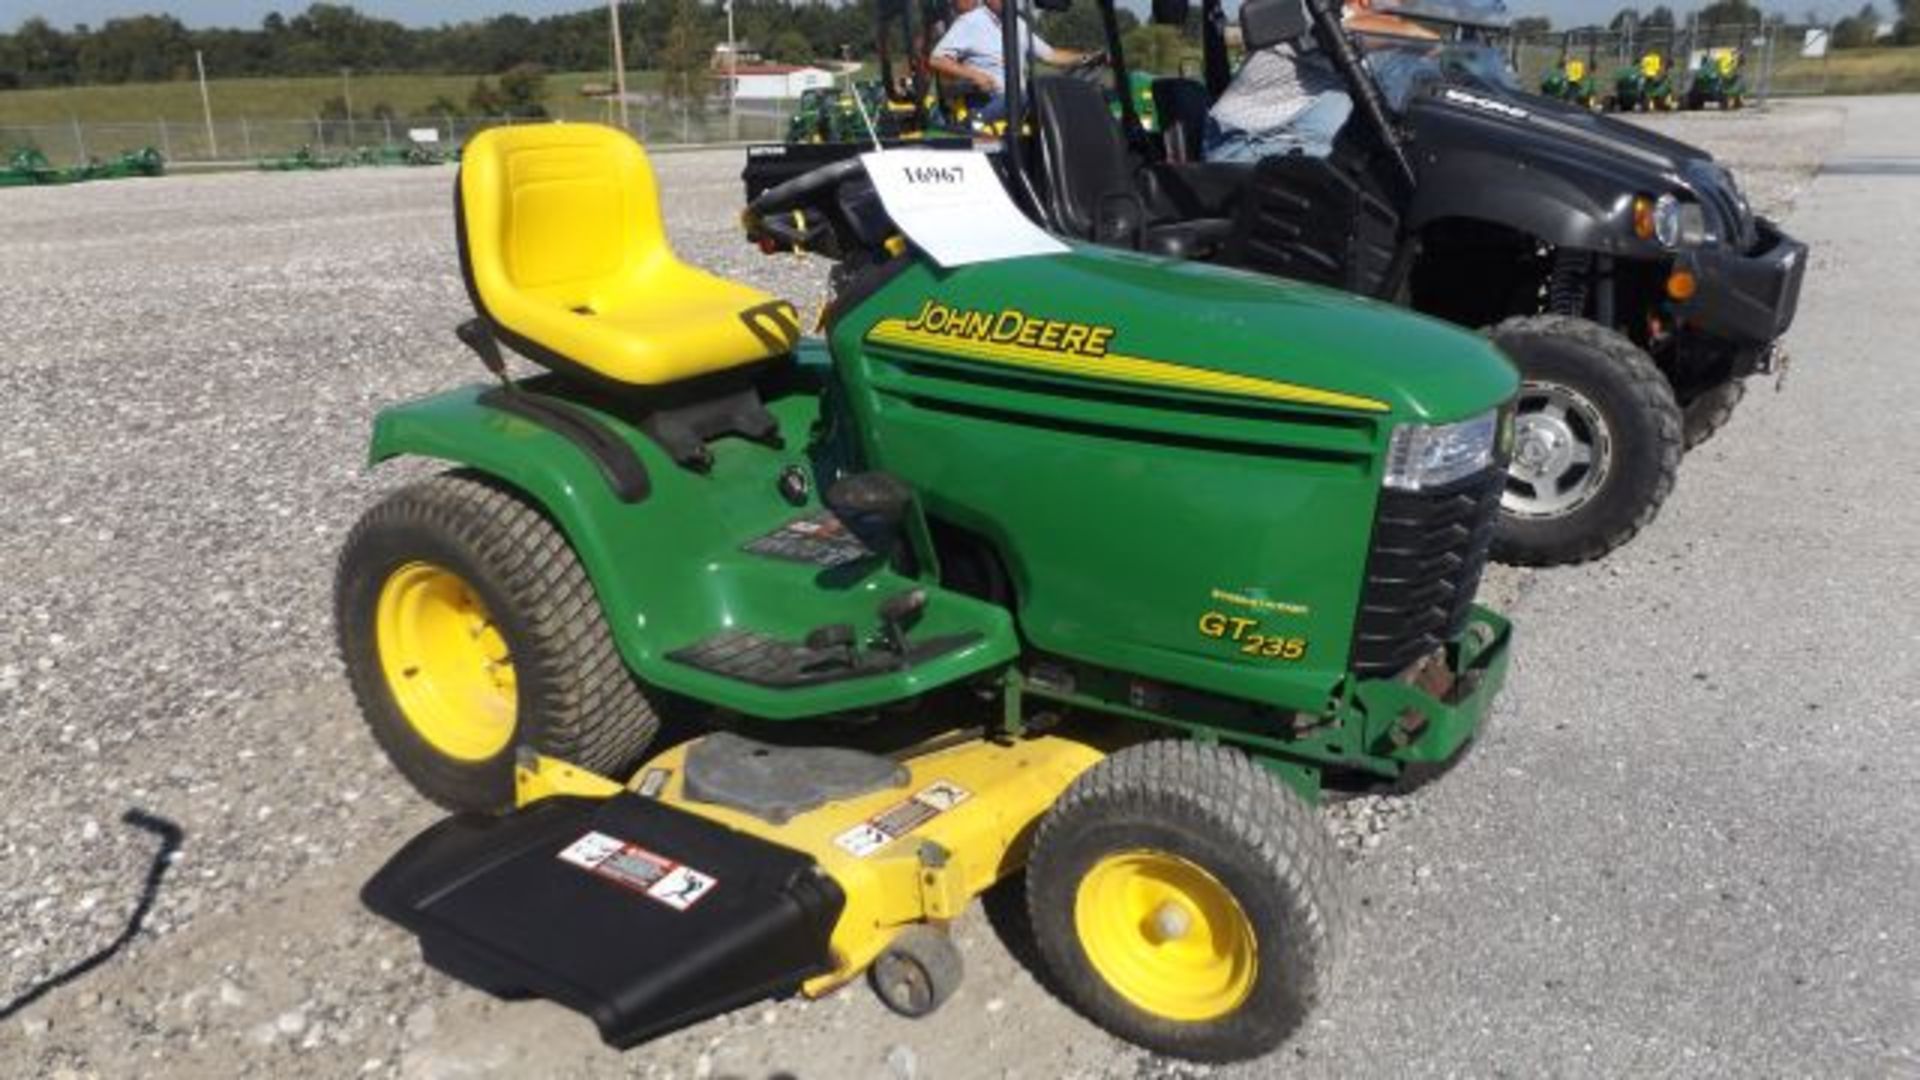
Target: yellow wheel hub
{"x": 445, "y": 662}
{"x": 1166, "y": 935}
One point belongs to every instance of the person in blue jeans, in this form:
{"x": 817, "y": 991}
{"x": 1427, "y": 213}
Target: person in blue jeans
{"x": 1281, "y": 101}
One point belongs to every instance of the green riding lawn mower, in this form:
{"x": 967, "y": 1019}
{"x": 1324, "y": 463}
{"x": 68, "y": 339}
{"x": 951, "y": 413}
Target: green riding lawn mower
{"x": 911, "y": 106}
{"x": 1082, "y": 571}
{"x": 1571, "y": 78}
{"x": 1644, "y": 86}
{"x": 1717, "y": 81}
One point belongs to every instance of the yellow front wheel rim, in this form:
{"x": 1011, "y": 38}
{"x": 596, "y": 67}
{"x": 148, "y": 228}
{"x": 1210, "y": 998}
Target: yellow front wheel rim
{"x": 1166, "y": 935}
{"x": 445, "y": 662}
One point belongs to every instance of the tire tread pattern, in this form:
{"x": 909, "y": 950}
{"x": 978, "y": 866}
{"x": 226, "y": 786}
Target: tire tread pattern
{"x": 588, "y": 708}
{"x": 1651, "y": 393}
{"x": 1235, "y": 799}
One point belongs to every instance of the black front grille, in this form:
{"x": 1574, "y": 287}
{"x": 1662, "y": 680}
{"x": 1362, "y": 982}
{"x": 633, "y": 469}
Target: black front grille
{"x": 1429, "y": 548}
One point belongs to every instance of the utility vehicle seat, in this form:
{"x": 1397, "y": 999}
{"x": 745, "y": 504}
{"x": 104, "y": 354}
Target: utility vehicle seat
{"x": 1181, "y": 105}
{"x": 1091, "y": 177}
{"x": 566, "y": 258}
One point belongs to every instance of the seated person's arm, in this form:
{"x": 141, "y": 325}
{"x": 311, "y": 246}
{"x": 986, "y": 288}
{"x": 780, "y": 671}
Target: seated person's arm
{"x": 1056, "y": 56}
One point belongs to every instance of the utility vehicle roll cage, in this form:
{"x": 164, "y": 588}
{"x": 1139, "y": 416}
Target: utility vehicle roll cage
{"x": 1279, "y": 19}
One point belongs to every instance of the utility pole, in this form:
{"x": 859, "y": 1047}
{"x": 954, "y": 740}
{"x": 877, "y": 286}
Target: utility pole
{"x": 733, "y": 78}
{"x": 206, "y": 104}
{"x": 619, "y": 63}
{"x": 346, "y": 95}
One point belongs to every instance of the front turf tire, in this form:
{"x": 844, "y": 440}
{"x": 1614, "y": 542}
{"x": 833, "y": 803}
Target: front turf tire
{"x": 460, "y": 543}
{"x": 1634, "y": 438}
{"x": 1244, "y": 907}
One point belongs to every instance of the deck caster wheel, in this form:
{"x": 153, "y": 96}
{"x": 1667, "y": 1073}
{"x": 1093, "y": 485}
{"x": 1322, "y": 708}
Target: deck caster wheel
{"x": 918, "y": 972}
{"x": 1186, "y": 900}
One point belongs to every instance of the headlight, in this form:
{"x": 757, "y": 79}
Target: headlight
{"x": 1669, "y": 221}
{"x": 1422, "y": 456}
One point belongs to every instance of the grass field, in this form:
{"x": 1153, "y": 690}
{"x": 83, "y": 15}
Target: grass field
{"x": 1850, "y": 71}
{"x": 279, "y": 99}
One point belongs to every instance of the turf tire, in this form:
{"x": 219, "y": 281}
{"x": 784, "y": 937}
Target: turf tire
{"x": 1215, "y": 808}
{"x": 576, "y": 699}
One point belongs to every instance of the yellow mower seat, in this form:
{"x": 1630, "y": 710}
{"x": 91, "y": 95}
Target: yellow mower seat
{"x": 565, "y": 254}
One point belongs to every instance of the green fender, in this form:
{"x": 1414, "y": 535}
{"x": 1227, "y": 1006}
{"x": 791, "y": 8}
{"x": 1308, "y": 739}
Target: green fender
{"x": 669, "y": 569}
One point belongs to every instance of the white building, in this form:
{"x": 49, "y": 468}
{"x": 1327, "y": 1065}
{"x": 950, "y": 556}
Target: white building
{"x": 776, "y": 82}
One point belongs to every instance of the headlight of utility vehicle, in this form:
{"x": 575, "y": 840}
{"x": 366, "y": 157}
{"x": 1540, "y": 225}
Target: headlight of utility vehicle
{"x": 1423, "y": 456}
{"x": 1669, "y": 220}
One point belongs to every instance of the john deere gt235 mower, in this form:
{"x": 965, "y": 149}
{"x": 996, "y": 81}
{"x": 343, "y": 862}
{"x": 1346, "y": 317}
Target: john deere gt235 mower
{"x": 1083, "y": 564}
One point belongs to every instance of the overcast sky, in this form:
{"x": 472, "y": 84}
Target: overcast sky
{"x": 430, "y": 12}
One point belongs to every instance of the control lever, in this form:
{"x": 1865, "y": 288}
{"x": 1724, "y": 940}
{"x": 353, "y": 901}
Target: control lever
{"x": 897, "y": 613}
{"x": 874, "y": 507}
{"x": 476, "y": 335}
{"x": 832, "y": 645}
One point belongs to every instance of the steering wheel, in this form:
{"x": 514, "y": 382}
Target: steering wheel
{"x": 794, "y": 194}
{"x": 793, "y": 216}
{"x": 1088, "y": 65}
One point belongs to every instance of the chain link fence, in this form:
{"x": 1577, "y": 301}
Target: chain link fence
{"x": 655, "y": 121}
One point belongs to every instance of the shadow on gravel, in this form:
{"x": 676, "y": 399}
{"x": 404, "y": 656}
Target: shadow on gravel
{"x": 170, "y": 834}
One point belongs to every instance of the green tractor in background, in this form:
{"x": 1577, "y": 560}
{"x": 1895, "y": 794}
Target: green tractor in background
{"x": 1571, "y": 78}
{"x": 1643, "y": 87}
{"x": 1046, "y": 562}
{"x": 1717, "y": 81}
{"x": 28, "y": 166}
{"x": 912, "y": 106}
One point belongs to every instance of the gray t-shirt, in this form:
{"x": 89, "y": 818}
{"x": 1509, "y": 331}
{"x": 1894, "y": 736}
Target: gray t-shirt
{"x": 974, "y": 40}
{"x": 1271, "y": 88}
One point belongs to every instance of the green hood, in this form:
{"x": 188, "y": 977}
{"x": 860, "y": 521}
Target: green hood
{"x": 1102, "y": 314}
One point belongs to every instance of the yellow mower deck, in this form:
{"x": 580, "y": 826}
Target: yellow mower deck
{"x": 917, "y": 852}
{"x": 724, "y": 872}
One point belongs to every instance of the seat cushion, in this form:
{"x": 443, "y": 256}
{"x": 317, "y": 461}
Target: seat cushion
{"x": 671, "y": 323}
{"x": 565, "y": 253}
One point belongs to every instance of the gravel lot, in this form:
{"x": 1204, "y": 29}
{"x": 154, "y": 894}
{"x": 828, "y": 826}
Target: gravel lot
{"x": 190, "y": 366}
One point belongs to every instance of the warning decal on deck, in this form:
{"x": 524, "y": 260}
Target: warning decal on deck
{"x": 900, "y": 819}
{"x": 679, "y": 887}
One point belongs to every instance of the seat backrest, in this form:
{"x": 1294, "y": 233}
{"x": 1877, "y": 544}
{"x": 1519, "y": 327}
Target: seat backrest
{"x": 555, "y": 211}
{"x": 1181, "y": 105}
{"x": 1085, "y": 163}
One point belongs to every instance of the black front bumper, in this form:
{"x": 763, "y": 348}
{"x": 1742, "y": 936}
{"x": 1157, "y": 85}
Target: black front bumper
{"x": 1745, "y": 298}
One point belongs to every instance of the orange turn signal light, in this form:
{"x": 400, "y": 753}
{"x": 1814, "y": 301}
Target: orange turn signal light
{"x": 1643, "y": 217}
{"x": 1681, "y": 286}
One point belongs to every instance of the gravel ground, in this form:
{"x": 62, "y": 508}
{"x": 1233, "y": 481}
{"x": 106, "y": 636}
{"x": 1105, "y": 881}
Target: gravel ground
{"x": 190, "y": 365}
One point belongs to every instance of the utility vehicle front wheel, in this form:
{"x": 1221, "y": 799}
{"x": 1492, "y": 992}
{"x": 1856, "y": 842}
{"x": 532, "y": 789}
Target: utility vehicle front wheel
{"x": 1597, "y": 441}
{"x": 469, "y": 628}
{"x": 1186, "y": 900}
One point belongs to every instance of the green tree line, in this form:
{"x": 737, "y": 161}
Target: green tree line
{"x": 328, "y": 37}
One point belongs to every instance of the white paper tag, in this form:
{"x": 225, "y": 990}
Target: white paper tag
{"x": 951, "y": 205}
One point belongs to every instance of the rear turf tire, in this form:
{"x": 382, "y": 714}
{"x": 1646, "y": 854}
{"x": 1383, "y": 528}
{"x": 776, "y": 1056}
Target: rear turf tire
{"x": 1243, "y": 902}
{"x": 1634, "y": 432}
{"x": 459, "y": 543}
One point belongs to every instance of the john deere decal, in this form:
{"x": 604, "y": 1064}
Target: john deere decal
{"x": 1063, "y": 347}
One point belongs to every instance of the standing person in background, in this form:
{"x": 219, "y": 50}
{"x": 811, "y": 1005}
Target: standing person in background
{"x": 969, "y": 53}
